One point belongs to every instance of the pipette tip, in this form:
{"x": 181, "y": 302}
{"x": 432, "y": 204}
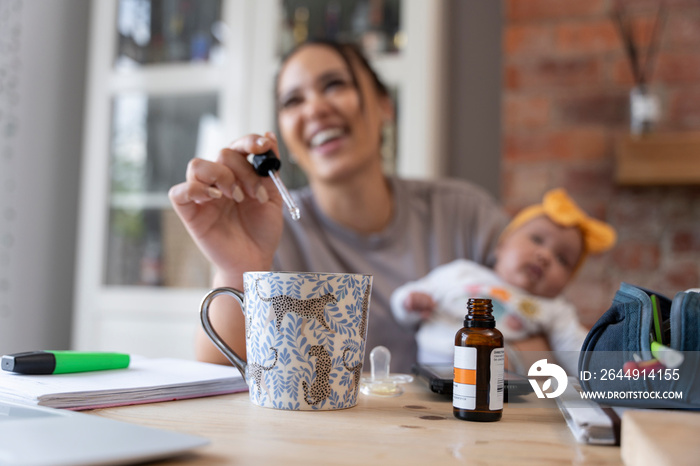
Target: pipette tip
{"x": 286, "y": 197}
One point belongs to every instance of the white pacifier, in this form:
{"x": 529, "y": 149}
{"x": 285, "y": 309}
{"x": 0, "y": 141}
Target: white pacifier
{"x": 382, "y": 382}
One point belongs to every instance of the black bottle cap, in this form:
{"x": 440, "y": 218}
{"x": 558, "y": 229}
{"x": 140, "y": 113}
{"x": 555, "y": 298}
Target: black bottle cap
{"x": 264, "y": 163}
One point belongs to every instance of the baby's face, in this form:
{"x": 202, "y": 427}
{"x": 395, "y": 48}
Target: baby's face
{"x": 539, "y": 257}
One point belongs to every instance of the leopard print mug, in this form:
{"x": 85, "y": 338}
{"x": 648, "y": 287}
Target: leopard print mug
{"x": 305, "y": 337}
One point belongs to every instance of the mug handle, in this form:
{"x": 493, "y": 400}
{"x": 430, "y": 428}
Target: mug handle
{"x": 209, "y": 328}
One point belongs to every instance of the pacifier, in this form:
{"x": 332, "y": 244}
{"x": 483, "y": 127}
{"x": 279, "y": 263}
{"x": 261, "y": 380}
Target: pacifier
{"x": 382, "y": 382}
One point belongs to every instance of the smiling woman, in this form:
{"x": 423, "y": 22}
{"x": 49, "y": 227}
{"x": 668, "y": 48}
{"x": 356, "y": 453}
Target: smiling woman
{"x": 331, "y": 109}
{"x": 331, "y": 116}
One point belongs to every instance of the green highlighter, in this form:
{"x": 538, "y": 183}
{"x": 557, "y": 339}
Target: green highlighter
{"x": 63, "y": 362}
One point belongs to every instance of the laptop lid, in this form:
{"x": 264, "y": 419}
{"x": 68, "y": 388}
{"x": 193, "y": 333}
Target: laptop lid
{"x": 41, "y": 436}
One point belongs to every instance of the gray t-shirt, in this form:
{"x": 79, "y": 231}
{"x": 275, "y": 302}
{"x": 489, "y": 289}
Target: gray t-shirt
{"x": 434, "y": 222}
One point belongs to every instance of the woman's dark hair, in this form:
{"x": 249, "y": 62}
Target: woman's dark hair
{"x": 347, "y": 51}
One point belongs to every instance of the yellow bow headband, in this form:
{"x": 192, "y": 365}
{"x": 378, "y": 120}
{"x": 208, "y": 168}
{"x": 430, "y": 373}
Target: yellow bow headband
{"x": 561, "y": 209}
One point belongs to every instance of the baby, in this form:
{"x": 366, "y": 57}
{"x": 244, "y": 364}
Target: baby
{"x": 537, "y": 255}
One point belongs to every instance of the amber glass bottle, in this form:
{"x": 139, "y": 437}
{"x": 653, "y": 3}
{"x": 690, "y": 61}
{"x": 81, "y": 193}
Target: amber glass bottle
{"x": 479, "y": 358}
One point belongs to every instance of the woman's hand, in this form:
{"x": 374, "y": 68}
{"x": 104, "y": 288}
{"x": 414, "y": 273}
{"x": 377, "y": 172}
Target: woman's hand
{"x": 233, "y": 215}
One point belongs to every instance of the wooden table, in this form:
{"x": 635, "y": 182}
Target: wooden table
{"x": 414, "y": 428}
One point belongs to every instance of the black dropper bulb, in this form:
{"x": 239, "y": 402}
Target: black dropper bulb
{"x": 265, "y": 163}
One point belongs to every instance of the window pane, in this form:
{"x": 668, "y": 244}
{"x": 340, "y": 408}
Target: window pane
{"x": 373, "y": 24}
{"x": 153, "y": 139}
{"x": 166, "y": 31}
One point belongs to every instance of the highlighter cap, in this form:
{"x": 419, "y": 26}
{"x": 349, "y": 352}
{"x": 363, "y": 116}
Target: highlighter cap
{"x": 33, "y": 362}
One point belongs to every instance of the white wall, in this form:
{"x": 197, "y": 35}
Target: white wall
{"x": 42, "y": 73}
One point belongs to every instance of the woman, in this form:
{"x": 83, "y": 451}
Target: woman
{"x": 331, "y": 108}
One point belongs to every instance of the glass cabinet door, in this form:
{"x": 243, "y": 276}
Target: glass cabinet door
{"x": 168, "y": 31}
{"x": 152, "y": 140}
{"x": 372, "y": 24}
{"x": 154, "y": 134}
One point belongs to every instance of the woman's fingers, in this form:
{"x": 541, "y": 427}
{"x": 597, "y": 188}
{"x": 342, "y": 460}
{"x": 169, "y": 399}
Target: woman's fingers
{"x": 200, "y": 193}
{"x": 186, "y": 196}
{"x": 178, "y": 195}
{"x": 273, "y": 139}
{"x": 231, "y": 176}
{"x": 236, "y": 158}
{"x": 255, "y": 144}
{"x": 210, "y": 174}
{"x": 246, "y": 181}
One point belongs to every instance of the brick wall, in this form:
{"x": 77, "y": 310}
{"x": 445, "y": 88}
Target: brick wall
{"x": 565, "y": 101}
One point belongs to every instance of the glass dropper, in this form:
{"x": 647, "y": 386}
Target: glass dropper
{"x": 268, "y": 164}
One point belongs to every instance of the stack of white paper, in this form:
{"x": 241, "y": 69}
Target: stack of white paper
{"x": 144, "y": 381}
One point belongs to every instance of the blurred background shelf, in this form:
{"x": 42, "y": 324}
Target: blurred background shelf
{"x": 659, "y": 159}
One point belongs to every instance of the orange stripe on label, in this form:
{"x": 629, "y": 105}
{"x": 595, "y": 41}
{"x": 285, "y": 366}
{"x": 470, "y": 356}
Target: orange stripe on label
{"x": 465, "y": 376}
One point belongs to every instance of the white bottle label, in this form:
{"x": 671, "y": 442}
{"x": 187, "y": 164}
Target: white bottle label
{"x": 464, "y": 386}
{"x": 496, "y": 385}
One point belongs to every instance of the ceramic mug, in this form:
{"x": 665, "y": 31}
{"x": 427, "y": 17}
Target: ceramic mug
{"x": 305, "y": 337}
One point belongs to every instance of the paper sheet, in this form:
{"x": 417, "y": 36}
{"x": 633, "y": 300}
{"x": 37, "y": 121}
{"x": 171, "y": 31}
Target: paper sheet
{"x": 144, "y": 381}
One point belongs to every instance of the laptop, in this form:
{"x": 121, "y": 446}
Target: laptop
{"x": 38, "y": 435}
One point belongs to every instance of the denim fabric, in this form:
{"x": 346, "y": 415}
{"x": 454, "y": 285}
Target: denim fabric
{"x": 624, "y": 330}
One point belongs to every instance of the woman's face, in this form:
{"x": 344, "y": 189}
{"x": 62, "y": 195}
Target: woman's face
{"x": 539, "y": 256}
{"x": 329, "y": 132}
